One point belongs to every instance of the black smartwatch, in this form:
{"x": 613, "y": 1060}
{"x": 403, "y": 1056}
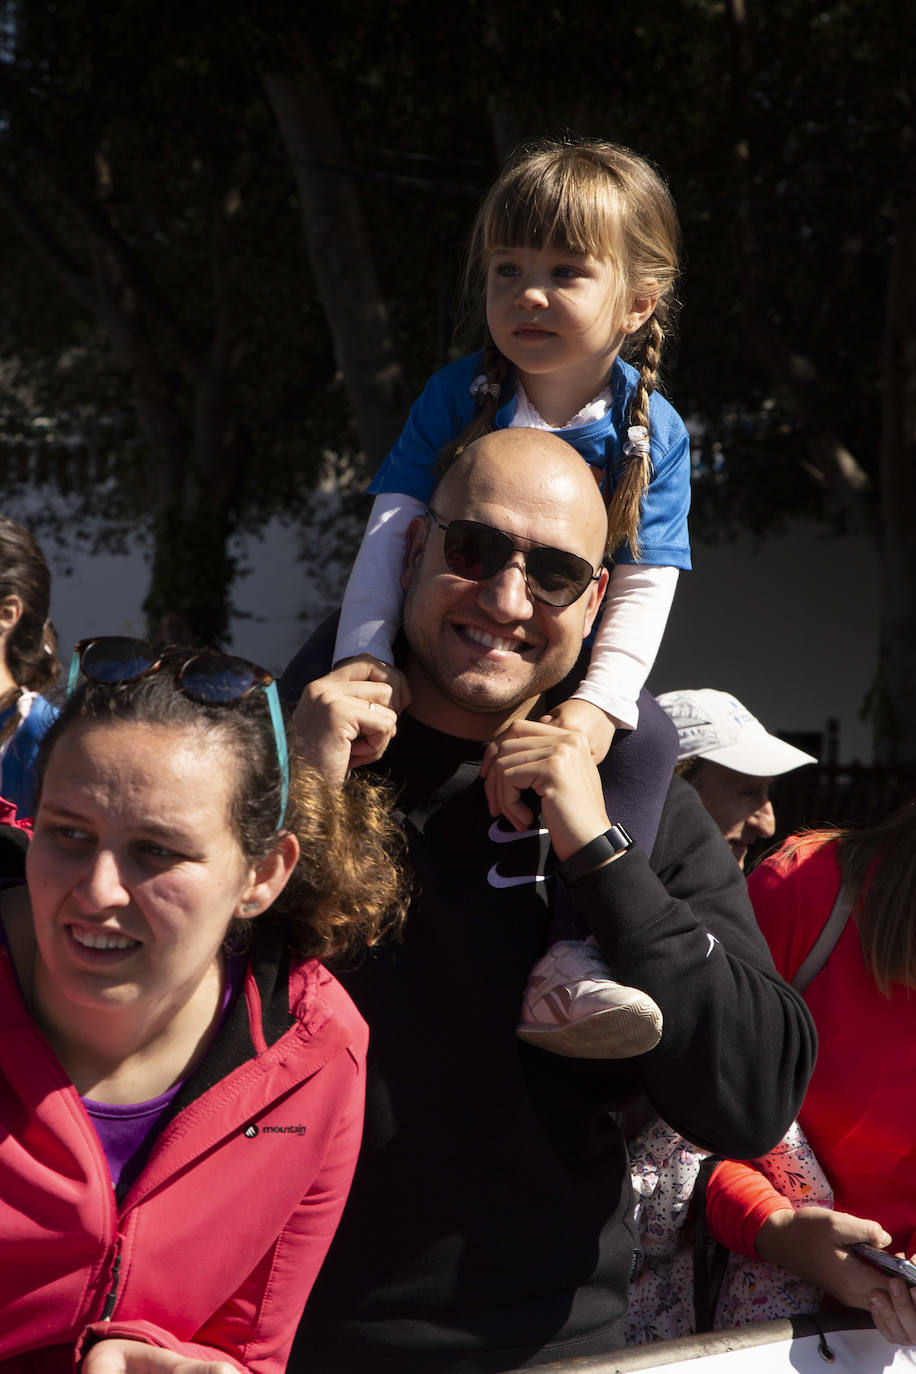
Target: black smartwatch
{"x": 593, "y": 854}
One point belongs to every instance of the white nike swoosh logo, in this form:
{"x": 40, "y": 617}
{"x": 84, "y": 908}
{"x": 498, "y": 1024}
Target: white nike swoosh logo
{"x": 500, "y": 836}
{"x": 712, "y": 943}
{"x": 496, "y": 879}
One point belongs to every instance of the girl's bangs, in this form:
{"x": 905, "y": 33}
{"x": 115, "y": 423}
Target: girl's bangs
{"x": 570, "y": 207}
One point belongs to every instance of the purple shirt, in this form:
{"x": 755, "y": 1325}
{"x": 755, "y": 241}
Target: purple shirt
{"x": 128, "y": 1131}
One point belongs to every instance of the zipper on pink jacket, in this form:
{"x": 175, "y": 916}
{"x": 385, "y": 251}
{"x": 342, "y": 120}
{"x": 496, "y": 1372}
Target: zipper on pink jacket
{"x": 112, "y": 1295}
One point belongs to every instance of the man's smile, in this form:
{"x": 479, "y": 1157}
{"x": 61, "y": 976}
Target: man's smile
{"x": 490, "y": 641}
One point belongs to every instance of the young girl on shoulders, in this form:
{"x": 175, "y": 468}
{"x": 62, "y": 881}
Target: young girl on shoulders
{"x": 573, "y": 261}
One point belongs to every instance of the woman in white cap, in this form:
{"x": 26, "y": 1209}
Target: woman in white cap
{"x": 730, "y": 759}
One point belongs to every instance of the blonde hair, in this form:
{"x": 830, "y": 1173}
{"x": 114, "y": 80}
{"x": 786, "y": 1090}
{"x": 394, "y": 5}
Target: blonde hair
{"x": 878, "y": 863}
{"x": 585, "y": 197}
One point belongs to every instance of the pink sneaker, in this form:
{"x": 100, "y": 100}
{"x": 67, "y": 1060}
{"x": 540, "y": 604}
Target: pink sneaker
{"x": 573, "y": 1007}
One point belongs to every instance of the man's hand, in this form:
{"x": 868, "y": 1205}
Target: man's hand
{"x": 346, "y": 718}
{"x": 812, "y": 1242}
{"x": 557, "y": 764}
{"x": 372, "y": 669}
{"x": 117, "y": 1356}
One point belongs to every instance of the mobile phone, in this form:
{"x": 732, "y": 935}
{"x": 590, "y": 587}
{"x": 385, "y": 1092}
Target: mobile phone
{"x": 888, "y": 1264}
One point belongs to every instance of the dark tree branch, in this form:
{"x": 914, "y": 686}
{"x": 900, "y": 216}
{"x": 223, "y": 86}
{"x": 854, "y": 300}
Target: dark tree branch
{"x": 77, "y": 283}
{"x": 340, "y": 251}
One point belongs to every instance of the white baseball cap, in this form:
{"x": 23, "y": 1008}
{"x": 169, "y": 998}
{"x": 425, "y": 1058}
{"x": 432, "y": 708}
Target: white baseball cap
{"x": 714, "y": 725}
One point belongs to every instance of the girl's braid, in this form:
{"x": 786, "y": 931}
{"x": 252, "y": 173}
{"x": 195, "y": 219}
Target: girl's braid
{"x": 625, "y": 502}
{"x": 496, "y": 368}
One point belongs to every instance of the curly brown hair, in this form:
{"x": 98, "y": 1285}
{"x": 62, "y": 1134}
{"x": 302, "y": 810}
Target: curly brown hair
{"x": 349, "y": 877}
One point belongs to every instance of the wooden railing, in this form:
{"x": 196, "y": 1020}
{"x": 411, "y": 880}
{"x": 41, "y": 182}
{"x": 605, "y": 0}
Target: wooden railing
{"x": 839, "y": 794}
{"x": 797, "y": 1344}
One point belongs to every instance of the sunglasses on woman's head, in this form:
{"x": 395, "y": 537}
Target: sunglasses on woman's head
{"x": 212, "y": 678}
{"x": 475, "y": 551}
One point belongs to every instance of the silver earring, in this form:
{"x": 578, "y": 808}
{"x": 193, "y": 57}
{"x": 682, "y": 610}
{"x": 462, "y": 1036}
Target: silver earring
{"x": 247, "y": 908}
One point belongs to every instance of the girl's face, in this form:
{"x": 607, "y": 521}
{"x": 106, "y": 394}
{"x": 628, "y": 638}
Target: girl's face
{"x": 134, "y": 870}
{"x": 556, "y": 313}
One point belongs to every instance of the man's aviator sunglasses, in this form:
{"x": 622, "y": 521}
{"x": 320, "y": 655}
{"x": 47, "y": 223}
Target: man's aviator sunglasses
{"x": 476, "y": 551}
{"x": 212, "y": 678}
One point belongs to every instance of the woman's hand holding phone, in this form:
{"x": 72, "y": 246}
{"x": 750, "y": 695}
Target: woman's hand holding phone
{"x": 895, "y": 1265}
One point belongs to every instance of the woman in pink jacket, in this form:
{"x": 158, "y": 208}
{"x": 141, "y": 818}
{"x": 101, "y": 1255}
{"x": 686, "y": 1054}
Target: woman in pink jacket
{"x": 181, "y": 1079}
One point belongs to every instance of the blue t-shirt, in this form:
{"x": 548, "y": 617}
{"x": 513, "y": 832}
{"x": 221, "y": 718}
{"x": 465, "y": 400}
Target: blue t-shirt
{"x": 17, "y": 776}
{"x": 446, "y": 407}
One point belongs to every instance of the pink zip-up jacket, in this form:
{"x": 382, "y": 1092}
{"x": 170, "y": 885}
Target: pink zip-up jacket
{"x": 213, "y": 1251}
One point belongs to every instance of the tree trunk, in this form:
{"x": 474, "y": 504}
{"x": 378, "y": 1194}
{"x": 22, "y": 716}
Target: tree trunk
{"x": 197, "y": 466}
{"x": 201, "y": 474}
{"x": 197, "y": 463}
{"x": 340, "y": 253}
{"x": 192, "y": 572}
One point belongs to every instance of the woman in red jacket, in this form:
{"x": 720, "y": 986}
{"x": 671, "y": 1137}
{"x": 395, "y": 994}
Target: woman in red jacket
{"x": 859, "y": 1114}
{"x": 181, "y": 1079}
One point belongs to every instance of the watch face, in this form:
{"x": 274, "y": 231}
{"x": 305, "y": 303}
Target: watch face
{"x": 618, "y": 838}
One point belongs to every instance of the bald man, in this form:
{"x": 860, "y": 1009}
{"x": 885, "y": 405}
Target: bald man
{"x": 489, "y": 1225}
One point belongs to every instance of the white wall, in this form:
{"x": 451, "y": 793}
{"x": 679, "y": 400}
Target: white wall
{"x": 789, "y": 627}
{"x": 103, "y": 594}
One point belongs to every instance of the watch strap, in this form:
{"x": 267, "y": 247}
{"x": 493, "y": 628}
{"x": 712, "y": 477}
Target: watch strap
{"x": 594, "y": 854}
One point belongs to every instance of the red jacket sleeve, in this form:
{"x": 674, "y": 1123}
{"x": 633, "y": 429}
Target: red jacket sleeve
{"x": 738, "y": 1201}
{"x": 792, "y": 899}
